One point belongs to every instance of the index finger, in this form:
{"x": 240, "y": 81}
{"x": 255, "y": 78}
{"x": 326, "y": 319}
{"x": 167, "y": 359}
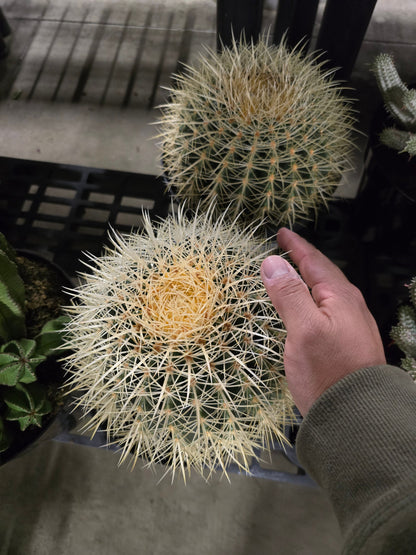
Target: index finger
{"x": 321, "y": 275}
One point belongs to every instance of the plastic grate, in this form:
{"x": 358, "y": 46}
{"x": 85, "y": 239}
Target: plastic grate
{"x": 64, "y": 209}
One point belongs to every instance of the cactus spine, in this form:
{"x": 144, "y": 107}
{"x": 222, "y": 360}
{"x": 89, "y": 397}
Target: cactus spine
{"x": 400, "y": 102}
{"x": 175, "y": 348}
{"x": 257, "y": 127}
{"x": 404, "y": 333}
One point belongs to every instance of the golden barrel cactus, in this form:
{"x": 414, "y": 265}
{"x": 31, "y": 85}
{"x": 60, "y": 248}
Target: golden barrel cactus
{"x": 259, "y": 128}
{"x": 176, "y": 349}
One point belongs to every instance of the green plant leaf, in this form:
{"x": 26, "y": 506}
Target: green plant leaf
{"x": 26, "y": 404}
{"x": 10, "y": 372}
{"x": 18, "y": 362}
{"x": 7, "y": 248}
{"x": 12, "y": 300}
{"x": 50, "y": 338}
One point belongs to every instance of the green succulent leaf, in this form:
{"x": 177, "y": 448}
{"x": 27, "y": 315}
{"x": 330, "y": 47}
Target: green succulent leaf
{"x": 4, "y": 436}
{"x": 18, "y": 362}
{"x": 50, "y": 338}
{"x": 27, "y": 404}
{"x": 12, "y": 300}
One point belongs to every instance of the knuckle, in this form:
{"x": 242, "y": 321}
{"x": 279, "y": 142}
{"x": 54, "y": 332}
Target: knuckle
{"x": 355, "y": 295}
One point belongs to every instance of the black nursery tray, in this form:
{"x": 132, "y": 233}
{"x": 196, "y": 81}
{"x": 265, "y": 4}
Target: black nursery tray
{"x": 62, "y": 209}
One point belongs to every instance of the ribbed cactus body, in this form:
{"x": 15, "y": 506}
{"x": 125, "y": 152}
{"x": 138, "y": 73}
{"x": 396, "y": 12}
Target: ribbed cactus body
{"x": 177, "y": 351}
{"x": 404, "y": 333}
{"x": 258, "y": 128}
{"x": 400, "y": 101}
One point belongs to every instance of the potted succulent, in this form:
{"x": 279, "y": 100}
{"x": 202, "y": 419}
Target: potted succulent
{"x": 175, "y": 349}
{"x": 262, "y": 130}
{"x": 404, "y": 333}
{"x": 31, "y": 323}
{"x": 388, "y": 191}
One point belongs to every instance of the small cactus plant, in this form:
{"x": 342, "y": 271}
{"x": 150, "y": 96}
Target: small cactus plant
{"x": 404, "y": 333}
{"x": 261, "y": 130}
{"x": 400, "y": 102}
{"x": 175, "y": 349}
{"x": 23, "y": 347}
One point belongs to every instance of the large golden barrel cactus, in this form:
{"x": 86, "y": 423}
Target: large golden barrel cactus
{"x": 176, "y": 349}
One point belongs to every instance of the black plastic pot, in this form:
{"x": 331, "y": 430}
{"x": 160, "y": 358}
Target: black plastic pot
{"x": 49, "y": 373}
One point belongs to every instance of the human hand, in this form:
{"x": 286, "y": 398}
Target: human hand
{"x": 330, "y": 333}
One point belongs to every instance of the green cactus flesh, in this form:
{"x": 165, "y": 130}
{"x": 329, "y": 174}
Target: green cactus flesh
{"x": 260, "y": 129}
{"x": 176, "y": 350}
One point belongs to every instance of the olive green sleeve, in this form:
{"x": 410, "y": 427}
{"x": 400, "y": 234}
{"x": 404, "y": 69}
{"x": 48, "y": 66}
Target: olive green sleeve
{"x": 358, "y": 442}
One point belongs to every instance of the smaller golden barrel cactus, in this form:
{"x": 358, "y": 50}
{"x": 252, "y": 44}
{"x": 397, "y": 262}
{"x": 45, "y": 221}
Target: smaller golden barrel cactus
{"x": 176, "y": 349}
{"x": 259, "y": 128}
{"x": 404, "y": 333}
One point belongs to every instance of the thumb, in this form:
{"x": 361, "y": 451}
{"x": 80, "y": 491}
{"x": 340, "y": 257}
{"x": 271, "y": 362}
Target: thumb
{"x": 287, "y": 291}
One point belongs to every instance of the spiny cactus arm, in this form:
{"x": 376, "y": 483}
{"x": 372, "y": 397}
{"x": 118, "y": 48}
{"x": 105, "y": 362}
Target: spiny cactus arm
{"x": 50, "y": 338}
{"x": 412, "y": 291}
{"x": 399, "y": 101}
{"x": 404, "y": 334}
{"x": 409, "y": 102}
{"x": 26, "y": 404}
{"x": 403, "y": 141}
{"x": 12, "y": 299}
{"x": 18, "y": 362}
{"x": 4, "y": 436}
{"x": 410, "y": 146}
{"x": 409, "y": 364}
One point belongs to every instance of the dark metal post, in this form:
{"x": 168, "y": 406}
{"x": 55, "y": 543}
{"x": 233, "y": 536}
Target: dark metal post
{"x": 4, "y": 25}
{"x": 296, "y": 18}
{"x": 342, "y": 31}
{"x": 235, "y": 17}
{"x": 4, "y": 32}
{"x": 284, "y": 19}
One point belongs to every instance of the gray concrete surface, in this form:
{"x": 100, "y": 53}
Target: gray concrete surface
{"x": 72, "y": 500}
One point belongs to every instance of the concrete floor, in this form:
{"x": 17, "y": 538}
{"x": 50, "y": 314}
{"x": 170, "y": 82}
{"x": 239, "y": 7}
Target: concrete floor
{"x": 64, "y": 99}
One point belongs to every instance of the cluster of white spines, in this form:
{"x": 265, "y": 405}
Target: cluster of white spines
{"x": 257, "y": 127}
{"x": 176, "y": 349}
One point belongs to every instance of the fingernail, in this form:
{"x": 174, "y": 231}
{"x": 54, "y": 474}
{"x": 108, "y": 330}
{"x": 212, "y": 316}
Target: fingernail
{"x": 275, "y": 266}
